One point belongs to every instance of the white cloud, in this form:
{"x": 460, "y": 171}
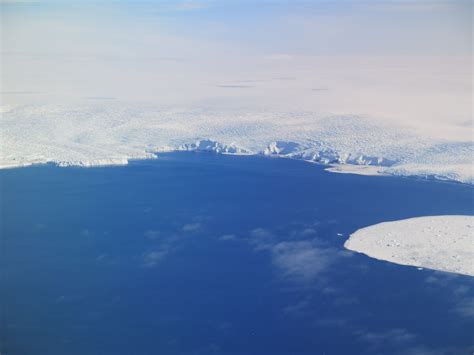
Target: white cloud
{"x": 308, "y": 231}
{"x": 152, "y": 258}
{"x": 192, "y": 227}
{"x": 297, "y": 309}
{"x": 396, "y": 336}
{"x": 261, "y": 238}
{"x": 86, "y": 233}
{"x": 465, "y": 307}
{"x": 152, "y": 234}
{"x": 302, "y": 259}
{"x": 227, "y": 237}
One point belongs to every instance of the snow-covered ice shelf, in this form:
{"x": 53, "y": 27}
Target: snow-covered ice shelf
{"x": 444, "y": 243}
{"x": 86, "y": 135}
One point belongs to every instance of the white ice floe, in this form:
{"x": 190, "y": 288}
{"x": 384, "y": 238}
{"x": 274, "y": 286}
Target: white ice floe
{"x": 444, "y": 243}
{"x": 89, "y": 135}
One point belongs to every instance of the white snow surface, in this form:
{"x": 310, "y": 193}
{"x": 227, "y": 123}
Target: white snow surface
{"x": 90, "y": 135}
{"x": 444, "y": 243}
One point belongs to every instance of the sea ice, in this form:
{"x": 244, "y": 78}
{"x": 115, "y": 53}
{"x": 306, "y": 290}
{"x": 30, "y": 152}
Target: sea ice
{"x": 444, "y": 243}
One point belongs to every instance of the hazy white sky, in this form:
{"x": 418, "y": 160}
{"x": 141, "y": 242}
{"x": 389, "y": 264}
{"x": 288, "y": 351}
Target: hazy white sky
{"x": 408, "y": 60}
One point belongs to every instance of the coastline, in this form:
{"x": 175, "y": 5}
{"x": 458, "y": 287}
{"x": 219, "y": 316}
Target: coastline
{"x": 332, "y": 167}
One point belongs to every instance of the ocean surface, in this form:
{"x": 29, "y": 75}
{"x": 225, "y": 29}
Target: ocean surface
{"x": 197, "y": 253}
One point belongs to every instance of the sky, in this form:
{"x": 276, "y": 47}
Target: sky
{"x": 403, "y": 60}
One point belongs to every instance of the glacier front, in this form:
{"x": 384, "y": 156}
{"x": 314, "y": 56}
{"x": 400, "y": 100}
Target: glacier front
{"x": 86, "y": 135}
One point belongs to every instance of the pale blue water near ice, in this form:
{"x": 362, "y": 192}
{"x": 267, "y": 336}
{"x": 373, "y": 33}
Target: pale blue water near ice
{"x": 209, "y": 254}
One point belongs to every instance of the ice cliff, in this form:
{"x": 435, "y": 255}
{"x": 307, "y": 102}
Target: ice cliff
{"x": 94, "y": 135}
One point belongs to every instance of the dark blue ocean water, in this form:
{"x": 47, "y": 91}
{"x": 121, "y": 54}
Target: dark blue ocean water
{"x": 210, "y": 254}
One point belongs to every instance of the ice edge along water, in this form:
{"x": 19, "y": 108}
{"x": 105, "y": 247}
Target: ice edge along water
{"x": 443, "y": 243}
{"x": 96, "y": 136}
{"x": 335, "y": 162}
